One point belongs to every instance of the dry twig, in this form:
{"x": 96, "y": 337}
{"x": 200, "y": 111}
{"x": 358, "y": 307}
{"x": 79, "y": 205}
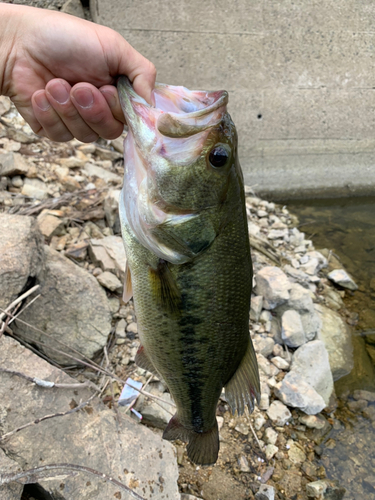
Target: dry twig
{"x": 6, "y": 436}
{"x": 32, "y": 475}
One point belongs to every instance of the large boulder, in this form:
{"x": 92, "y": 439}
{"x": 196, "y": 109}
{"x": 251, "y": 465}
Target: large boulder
{"x": 336, "y": 335}
{"x": 73, "y": 308}
{"x": 21, "y": 255}
{"x": 130, "y": 453}
{"x": 311, "y": 362}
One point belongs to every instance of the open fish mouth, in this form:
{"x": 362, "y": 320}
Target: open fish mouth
{"x": 178, "y": 112}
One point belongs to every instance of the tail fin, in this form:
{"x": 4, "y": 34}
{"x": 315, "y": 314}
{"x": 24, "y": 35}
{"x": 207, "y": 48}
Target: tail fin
{"x": 202, "y": 448}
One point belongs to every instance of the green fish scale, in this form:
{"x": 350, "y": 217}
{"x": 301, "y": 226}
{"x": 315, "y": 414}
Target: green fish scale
{"x": 198, "y": 350}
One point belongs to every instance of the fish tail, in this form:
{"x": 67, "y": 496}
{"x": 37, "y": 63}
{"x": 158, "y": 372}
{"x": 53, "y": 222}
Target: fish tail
{"x": 202, "y": 448}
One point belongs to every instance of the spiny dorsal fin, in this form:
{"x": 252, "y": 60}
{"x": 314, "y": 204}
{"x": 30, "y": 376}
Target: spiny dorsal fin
{"x": 143, "y": 361}
{"x": 244, "y": 387}
{"x": 164, "y": 288}
{"x": 128, "y": 288}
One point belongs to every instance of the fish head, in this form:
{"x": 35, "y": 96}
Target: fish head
{"x": 180, "y": 164}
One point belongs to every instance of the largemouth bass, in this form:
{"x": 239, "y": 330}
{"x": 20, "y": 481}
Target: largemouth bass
{"x": 189, "y": 269}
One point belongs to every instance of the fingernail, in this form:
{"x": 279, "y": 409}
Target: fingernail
{"x": 83, "y": 97}
{"x": 59, "y": 92}
{"x": 110, "y": 98}
{"x": 41, "y": 101}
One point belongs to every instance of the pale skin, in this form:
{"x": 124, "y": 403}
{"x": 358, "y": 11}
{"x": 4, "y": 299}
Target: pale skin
{"x": 60, "y": 72}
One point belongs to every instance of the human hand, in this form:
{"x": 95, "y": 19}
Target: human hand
{"x": 61, "y": 70}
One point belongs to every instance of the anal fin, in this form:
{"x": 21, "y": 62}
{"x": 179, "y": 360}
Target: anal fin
{"x": 244, "y": 387}
{"x": 143, "y": 361}
{"x": 202, "y": 448}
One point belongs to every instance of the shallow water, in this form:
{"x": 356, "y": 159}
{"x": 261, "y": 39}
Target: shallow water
{"x": 347, "y": 227}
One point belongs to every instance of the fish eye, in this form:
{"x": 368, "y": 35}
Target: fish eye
{"x": 218, "y": 157}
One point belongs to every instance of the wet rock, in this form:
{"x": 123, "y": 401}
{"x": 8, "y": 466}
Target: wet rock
{"x": 279, "y": 413}
{"x": 263, "y": 345}
{"x": 110, "y": 281}
{"x": 369, "y": 413}
{"x": 131, "y": 453}
{"x": 35, "y": 188}
{"x": 273, "y": 284}
{"x": 256, "y": 307}
{"x": 313, "y": 421}
{"x": 12, "y": 164}
{"x": 265, "y": 492}
{"x": 21, "y": 255}
{"x": 292, "y": 331}
{"x": 312, "y": 363}
{"x": 366, "y": 395}
{"x": 336, "y": 335}
{"x": 109, "y": 254}
{"x": 11, "y": 491}
{"x": 73, "y": 308}
{"x": 325, "y": 490}
{"x": 359, "y": 405}
{"x": 295, "y": 391}
{"x": 342, "y": 278}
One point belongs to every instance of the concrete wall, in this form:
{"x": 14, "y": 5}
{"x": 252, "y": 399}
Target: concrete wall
{"x": 300, "y": 73}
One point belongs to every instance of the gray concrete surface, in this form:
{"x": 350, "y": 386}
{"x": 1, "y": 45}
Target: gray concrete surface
{"x": 301, "y": 78}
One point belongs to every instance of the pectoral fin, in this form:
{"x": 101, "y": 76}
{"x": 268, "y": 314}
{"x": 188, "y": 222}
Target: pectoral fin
{"x": 128, "y": 288}
{"x": 189, "y": 235}
{"x": 244, "y": 387}
{"x": 164, "y": 288}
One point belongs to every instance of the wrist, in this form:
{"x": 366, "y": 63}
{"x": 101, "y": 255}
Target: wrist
{"x": 10, "y": 21}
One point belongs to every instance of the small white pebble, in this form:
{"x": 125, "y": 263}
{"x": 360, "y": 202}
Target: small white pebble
{"x": 287, "y": 447}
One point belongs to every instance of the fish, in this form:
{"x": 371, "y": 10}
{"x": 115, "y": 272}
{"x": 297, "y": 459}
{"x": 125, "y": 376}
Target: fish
{"x": 189, "y": 271}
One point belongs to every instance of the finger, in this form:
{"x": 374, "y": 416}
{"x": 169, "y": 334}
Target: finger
{"x": 111, "y": 96}
{"x": 58, "y": 94}
{"x": 123, "y": 59}
{"x": 49, "y": 122}
{"x": 144, "y": 81}
{"x": 94, "y": 109}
